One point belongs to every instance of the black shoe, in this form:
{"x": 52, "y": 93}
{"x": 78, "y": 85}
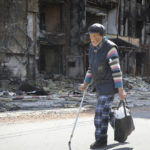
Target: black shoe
{"x": 99, "y": 144}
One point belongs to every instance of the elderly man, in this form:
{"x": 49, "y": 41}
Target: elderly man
{"x": 105, "y": 70}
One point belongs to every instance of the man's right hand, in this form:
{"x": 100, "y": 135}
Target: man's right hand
{"x": 82, "y": 86}
{"x": 122, "y": 94}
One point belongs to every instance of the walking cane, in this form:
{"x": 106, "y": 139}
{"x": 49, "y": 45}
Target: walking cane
{"x": 77, "y": 116}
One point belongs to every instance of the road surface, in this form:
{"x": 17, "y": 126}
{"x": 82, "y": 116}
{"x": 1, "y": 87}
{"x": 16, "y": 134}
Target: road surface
{"x": 55, "y": 134}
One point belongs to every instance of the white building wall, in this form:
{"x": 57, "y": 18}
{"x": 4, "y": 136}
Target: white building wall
{"x": 110, "y": 22}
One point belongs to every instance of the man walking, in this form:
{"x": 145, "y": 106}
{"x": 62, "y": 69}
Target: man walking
{"x": 104, "y": 69}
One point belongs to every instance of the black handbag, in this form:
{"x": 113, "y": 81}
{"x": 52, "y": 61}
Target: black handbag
{"x": 123, "y": 126}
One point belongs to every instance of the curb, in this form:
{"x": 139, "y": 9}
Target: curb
{"x": 52, "y": 113}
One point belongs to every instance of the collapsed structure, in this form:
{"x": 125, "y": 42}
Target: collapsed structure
{"x": 50, "y": 36}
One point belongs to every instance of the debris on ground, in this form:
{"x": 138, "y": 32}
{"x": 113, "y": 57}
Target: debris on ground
{"x": 57, "y": 91}
{"x": 32, "y": 90}
{"x": 136, "y": 83}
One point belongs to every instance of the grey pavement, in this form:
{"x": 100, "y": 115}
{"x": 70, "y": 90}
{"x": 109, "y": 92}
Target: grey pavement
{"x": 55, "y": 134}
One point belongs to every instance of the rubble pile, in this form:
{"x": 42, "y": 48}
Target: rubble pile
{"x": 136, "y": 83}
{"x": 62, "y": 92}
{"x": 138, "y": 91}
{"x": 54, "y": 92}
{"x": 57, "y": 85}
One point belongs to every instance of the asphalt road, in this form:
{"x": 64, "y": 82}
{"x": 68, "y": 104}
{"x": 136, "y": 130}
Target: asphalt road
{"x": 55, "y": 134}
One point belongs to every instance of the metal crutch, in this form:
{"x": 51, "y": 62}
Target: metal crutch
{"x": 77, "y": 116}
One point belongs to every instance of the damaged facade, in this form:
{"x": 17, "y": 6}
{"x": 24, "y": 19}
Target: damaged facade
{"x": 50, "y": 36}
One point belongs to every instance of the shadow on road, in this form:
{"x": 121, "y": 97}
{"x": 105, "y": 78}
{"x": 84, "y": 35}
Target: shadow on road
{"x": 125, "y": 148}
{"x": 115, "y": 145}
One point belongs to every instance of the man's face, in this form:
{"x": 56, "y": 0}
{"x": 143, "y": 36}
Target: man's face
{"x": 95, "y": 38}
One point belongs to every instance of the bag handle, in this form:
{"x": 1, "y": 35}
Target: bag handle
{"x": 122, "y": 102}
{"x": 124, "y": 107}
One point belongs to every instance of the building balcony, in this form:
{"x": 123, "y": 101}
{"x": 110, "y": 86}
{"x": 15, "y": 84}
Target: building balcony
{"x": 106, "y": 4}
{"x": 127, "y": 39}
{"x": 52, "y": 38}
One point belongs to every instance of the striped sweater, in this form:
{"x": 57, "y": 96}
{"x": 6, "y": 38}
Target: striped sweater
{"x": 113, "y": 58}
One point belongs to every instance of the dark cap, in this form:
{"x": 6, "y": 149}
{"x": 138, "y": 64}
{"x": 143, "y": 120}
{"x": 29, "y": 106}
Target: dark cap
{"x": 97, "y": 28}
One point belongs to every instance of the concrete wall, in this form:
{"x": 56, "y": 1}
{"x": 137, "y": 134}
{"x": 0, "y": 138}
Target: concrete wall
{"x": 18, "y": 27}
{"x": 33, "y": 32}
{"x": 13, "y": 40}
{"x": 77, "y": 27}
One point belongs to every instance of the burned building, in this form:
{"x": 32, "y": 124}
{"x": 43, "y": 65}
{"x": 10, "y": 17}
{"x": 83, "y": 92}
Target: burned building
{"x": 133, "y": 24}
{"x": 126, "y": 24}
{"x": 50, "y": 36}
